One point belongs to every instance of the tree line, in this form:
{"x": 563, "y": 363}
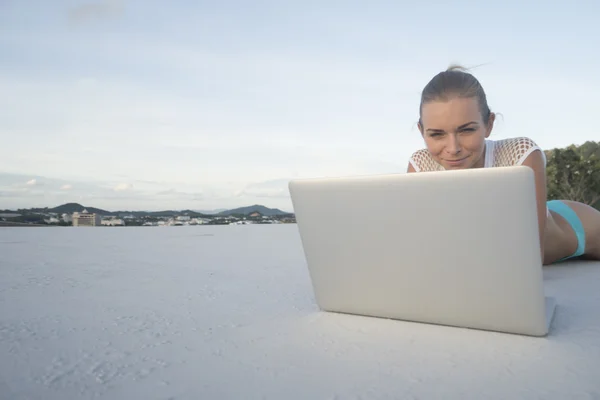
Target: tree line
{"x": 573, "y": 173}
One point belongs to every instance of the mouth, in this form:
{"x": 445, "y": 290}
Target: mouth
{"x": 456, "y": 162}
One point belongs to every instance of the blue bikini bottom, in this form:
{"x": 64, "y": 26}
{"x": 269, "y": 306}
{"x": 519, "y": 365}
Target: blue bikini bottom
{"x": 567, "y": 213}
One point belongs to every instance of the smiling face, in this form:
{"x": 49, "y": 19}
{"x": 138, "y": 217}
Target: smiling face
{"x": 455, "y": 131}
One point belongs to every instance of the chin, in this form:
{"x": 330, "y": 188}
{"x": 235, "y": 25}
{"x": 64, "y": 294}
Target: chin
{"x": 454, "y": 167}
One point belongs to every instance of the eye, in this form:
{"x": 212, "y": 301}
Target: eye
{"x": 468, "y": 130}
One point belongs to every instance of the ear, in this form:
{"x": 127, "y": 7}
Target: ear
{"x": 490, "y": 124}
{"x": 420, "y": 127}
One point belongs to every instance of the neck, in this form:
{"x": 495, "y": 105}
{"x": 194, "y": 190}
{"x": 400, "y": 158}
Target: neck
{"x": 481, "y": 162}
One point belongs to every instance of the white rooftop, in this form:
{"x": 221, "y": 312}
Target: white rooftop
{"x": 227, "y": 312}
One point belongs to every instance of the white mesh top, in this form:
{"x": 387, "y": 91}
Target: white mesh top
{"x": 498, "y": 153}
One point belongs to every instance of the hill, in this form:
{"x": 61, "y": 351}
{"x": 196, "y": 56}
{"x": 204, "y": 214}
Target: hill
{"x": 269, "y": 212}
{"x": 70, "y": 208}
{"x": 164, "y": 213}
{"x": 210, "y": 212}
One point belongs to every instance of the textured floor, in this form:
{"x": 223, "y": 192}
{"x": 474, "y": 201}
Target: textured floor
{"x": 228, "y": 313}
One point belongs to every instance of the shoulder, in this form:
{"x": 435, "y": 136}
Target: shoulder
{"x": 422, "y": 161}
{"x": 514, "y": 151}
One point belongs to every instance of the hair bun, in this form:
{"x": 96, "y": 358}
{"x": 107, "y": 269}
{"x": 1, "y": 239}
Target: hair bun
{"x": 457, "y": 67}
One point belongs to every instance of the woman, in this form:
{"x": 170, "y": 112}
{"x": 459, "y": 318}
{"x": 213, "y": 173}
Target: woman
{"x": 455, "y": 122}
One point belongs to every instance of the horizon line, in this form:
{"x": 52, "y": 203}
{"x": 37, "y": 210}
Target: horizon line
{"x": 216, "y": 210}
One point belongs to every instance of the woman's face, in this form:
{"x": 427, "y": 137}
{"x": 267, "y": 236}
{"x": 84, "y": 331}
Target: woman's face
{"x": 455, "y": 133}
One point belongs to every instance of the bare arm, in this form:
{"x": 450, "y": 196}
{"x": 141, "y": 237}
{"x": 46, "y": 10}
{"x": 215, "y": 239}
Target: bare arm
{"x": 535, "y": 161}
{"x": 410, "y": 168}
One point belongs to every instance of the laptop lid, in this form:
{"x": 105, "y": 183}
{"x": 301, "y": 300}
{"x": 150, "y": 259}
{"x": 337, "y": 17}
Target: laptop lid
{"x": 456, "y": 248}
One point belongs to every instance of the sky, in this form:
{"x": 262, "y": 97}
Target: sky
{"x": 152, "y": 105}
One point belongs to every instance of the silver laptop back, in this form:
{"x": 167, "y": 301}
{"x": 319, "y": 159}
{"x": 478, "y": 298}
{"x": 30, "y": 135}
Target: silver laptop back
{"x": 455, "y": 248}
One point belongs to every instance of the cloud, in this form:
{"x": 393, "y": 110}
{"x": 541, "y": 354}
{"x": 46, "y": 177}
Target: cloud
{"x": 122, "y": 187}
{"x": 18, "y": 194}
{"x": 95, "y": 11}
{"x": 15, "y": 191}
{"x": 111, "y": 195}
{"x": 175, "y": 194}
{"x": 277, "y": 188}
{"x": 31, "y": 182}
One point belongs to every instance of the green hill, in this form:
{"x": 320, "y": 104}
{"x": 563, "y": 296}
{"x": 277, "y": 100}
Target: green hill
{"x": 70, "y": 208}
{"x": 165, "y": 213}
{"x": 269, "y": 212}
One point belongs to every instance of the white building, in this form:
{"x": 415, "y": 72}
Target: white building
{"x": 113, "y": 222}
{"x": 86, "y": 218}
{"x": 52, "y": 220}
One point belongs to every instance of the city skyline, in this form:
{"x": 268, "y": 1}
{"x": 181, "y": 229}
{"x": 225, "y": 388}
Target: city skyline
{"x": 192, "y": 105}
{"x": 90, "y": 208}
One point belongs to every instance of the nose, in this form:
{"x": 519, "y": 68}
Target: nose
{"x": 453, "y": 145}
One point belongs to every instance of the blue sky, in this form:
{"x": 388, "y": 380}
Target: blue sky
{"x": 125, "y": 104}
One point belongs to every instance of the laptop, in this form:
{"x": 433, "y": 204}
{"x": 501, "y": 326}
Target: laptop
{"x": 457, "y": 248}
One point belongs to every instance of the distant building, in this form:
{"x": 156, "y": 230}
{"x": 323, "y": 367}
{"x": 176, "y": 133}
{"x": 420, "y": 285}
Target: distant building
{"x": 9, "y": 215}
{"x": 52, "y": 220}
{"x": 86, "y": 218}
{"x": 113, "y": 222}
